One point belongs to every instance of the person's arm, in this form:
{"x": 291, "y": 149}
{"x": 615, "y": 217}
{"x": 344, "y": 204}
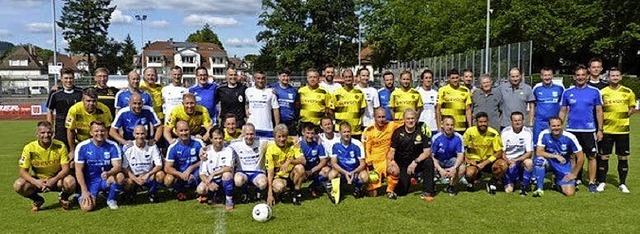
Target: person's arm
{"x": 439, "y": 116}
{"x": 276, "y": 116}
{"x": 24, "y": 174}
{"x": 321, "y": 164}
{"x": 116, "y": 168}
{"x": 50, "y": 116}
{"x": 600, "y": 120}
{"x": 270, "y": 176}
{"x": 192, "y": 167}
{"x": 222, "y": 170}
{"x": 360, "y": 167}
{"x": 532, "y": 108}
{"x": 467, "y": 112}
{"x": 563, "y": 113}
{"x": 543, "y": 153}
{"x": 167, "y": 134}
{"x": 64, "y": 171}
{"x": 115, "y": 134}
{"x": 336, "y": 166}
{"x": 576, "y": 165}
{"x": 459, "y": 160}
{"x": 169, "y": 169}
{"x": 86, "y": 196}
{"x": 522, "y": 157}
{"x": 71, "y": 139}
{"x": 158, "y": 132}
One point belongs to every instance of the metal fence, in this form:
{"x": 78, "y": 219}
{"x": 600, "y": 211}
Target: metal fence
{"x": 501, "y": 60}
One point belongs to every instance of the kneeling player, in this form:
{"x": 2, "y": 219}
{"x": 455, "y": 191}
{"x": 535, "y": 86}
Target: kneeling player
{"x": 559, "y": 148}
{"x": 216, "y": 171}
{"x": 143, "y": 165}
{"x": 183, "y": 161}
{"x": 484, "y": 153}
{"x": 348, "y": 162}
{"x": 517, "y": 143}
{"x": 448, "y": 155}
{"x": 377, "y": 142}
{"x": 98, "y": 165}
{"x": 316, "y": 169}
{"x": 49, "y": 161}
{"x": 248, "y": 153}
{"x": 285, "y": 166}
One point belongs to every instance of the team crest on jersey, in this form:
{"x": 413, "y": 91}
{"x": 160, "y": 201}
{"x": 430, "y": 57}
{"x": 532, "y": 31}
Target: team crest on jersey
{"x": 143, "y": 121}
{"x": 418, "y": 138}
{"x": 563, "y": 147}
{"x": 352, "y": 154}
{"x": 264, "y": 96}
{"x": 314, "y": 152}
{"x": 147, "y": 155}
{"x": 192, "y": 151}
{"x": 554, "y": 93}
{"x": 290, "y": 96}
{"x": 69, "y": 120}
{"x": 106, "y": 155}
{"x": 240, "y": 99}
{"x": 521, "y": 141}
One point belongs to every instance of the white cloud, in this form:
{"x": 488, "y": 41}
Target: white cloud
{"x": 61, "y": 42}
{"x": 238, "y": 43}
{"x": 219, "y": 7}
{"x": 199, "y": 20}
{"x": 38, "y": 27}
{"x": 5, "y": 33}
{"x": 118, "y": 18}
{"x": 159, "y": 24}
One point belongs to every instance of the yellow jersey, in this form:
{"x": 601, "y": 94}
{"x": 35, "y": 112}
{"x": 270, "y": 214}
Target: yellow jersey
{"x": 454, "y": 102}
{"x": 200, "y": 118}
{"x": 156, "y": 97}
{"x": 615, "y": 107}
{"x": 402, "y": 100}
{"x": 377, "y": 142}
{"x": 45, "y": 163}
{"x": 79, "y": 119}
{"x": 480, "y": 147}
{"x": 229, "y": 137}
{"x": 313, "y": 103}
{"x": 348, "y": 106}
{"x": 276, "y": 156}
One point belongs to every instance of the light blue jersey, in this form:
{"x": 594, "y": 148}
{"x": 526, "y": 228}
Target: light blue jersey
{"x": 384, "y": 95}
{"x": 313, "y": 152}
{"x": 348, "y": 155}
{"x": 287, "y": 97}
{"x": 205, "y": 96}
{"x": 128, "y": 120}
{"x": 581, "y": 103}
{"x": 184, "y": 155}
{"x": 96, "y": 158}
{"x": 565, "y": 145}
{"x": 548, "y": 100}
{"x": 445, "y": 148}
{"x": 123, "y": 96}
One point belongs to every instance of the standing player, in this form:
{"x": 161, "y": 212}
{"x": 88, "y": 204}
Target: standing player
{"x": 142, "y": 165}
{"x": 285, "y": 166}
{"x": 377, "y": 142}
{"x": 231, "y": 97}
{"x": 195, "y": 115}
{"x": 204, "y": 91}
{"x": 429, "y": 100}
{"x": 315, "y": 168}
{"x": 559, "y": 148}
{"x": 548, "y": 97}
{"x": 370, "y": 95}
{"x": 315, "y": 101}
{"x": 216, "y": 171}
{"x": 384, "y": 93}
{"x": 122, "y": 97}
{"x": 328, "y": 84}
{"x": 618, "y": 104}
{"x": 487, "y": 100}
{"x": 80, "y": 116}
{"x": 130, "y": 117}
{"x": 448, "y": 155}
{"x": 595, "y": 70}
{"x": 517, "y": 141}
{"x": 262, "y": 107}
{"x": 405, "y": 97}
{"x": 349, "y": 104}
{"x": 578, "y": 102}
{"x": 49, "y": 160}
{"x": 60, "y": 101}
{"x": 106, "y": 94}
{"x": 410, "y": 152}
{"x": 454, "y": 100}
{"x": 516, "y": 96}
{"x": 182, "y": 161}
{"x": 484, "y": 153}
{"x": 347, "y": 161}
{"x": 154, "y": 89}
{"x": 98, "y": 164}
{"x": 288, "y": 100}
{"x": 172, "y": 93}
{"x": 248, "y": 154}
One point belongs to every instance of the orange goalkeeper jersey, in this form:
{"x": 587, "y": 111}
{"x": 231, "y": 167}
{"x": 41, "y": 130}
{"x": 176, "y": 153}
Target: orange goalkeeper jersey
{"x": 377, "y": 142}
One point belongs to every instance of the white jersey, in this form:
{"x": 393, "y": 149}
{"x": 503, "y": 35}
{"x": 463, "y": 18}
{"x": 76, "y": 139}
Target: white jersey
{"x": 330, "y": 87}
{"x": 373, "y": 102}
{"x": 516, "y": 144}
{"x": 141, "y": 160}
{"x": 261, "y": 104}
{"x": 429, "y": 100}
{"x": 328, "y": 144}
{"x": 249, "y": 158}
{"x": 172, "y": 97}
{"x": 216, "y": 160}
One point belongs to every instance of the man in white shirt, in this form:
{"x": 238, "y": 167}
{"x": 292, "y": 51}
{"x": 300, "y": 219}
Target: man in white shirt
{"x": 143, "y": 165}
{"x": 172, "y": 93}
{"x": 262, "y": 105}
{"x": 517, "y": 142}
{"x": 370, "y": 95}
{"x": 248, "y": 154}
{"x": 429, "y": 100}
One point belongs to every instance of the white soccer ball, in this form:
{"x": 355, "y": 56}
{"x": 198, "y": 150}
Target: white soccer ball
{"x": 261, "y": 212}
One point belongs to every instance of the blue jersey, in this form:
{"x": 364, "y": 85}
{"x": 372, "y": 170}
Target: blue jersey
{"x": 581, "y": 103}
{"x": 548, "y": 99}
{"x": 96, "y": 159}
{"x": 205, "y": 96}
{"x": 566, "y": 145}
{"x": 445, "y": 148}
{"x": 184, "y": 155}
{"x": 128, "y": 120}
{"x": 313, "y": 152}
{"x": 384, "y": 95}
{"x": 122, "y": 98}
{"x": 287, "y": 98}
{"x": 348, "y": 156}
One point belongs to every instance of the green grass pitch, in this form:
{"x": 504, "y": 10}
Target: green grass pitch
{"x": 606, "y": 212}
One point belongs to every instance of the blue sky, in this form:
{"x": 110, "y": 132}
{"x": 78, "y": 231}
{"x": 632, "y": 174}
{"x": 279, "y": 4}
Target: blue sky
{"x": 235, "y": 22}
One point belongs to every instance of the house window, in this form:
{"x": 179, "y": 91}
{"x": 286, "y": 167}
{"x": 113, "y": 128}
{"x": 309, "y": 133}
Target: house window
{"x": 218, "y": 72}
{"x": 18, "y": 63}
{"x": 188, "y": 70}
{"x": 188, "y": 59}
{"x": 155, "y": 59}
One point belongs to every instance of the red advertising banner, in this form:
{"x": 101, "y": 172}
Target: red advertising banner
{"x": 21, "y": 112}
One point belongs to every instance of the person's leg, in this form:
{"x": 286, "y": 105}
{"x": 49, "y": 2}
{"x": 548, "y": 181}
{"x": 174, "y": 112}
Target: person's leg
{"x": 622, "y": 150}
{"x": 428, "y": 173}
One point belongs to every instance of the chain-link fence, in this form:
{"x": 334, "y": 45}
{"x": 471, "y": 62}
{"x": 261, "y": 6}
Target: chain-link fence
{"x": 501, "y": 60}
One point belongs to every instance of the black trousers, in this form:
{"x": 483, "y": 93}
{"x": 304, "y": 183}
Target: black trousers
{"x": 424, "y": 170}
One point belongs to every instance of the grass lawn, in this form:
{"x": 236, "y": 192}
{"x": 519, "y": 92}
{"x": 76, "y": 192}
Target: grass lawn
{"x": 606, "y": 212}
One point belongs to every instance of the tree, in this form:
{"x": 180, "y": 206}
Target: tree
{"x": 128, "y": 51}
{"x": 266, "y": 60}
{"x": 110, "y": 58}
{"x": 205, "y": 35}
{"x": 85, "y": 25}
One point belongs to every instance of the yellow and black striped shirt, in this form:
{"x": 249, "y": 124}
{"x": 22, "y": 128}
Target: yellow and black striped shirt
{"x": 453, "y": 102}
{"x": 480, "y": 147}
{"x": 349, "y": 107}
{"x": 313, "y": 103}
{"x": 616, "y": 104}
{"x": 402, "y": 100}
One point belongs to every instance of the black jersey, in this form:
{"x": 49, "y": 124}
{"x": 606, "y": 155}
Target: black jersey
{"x": 232, "y": 100}
{"x": 107, "y": 96}
{"x": 408, "y": 146}
{"x": 60, "y": 101}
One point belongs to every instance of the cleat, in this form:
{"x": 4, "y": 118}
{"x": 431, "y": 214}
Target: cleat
{"x": 245, "y": 198}
{"x": 538, "y": 193}
{"x": 392, "y": 195}
{"x": 202, "y": 199}
{"x": 524, "y": 191}
{"x": 452, "y": 190}
{"x": 258, "y": 196}
{"x": 112, "y": 204}
{"x": 181, "y": 196}
{"x": 314, "y": 192}
{"x": 623, "y": 188}
{"x": 229, "y": 205}
{"x": 470, "y": 187}
{"x": 491, "y": 189}
{"x": 295, "y": 199}
{"x": 152, "y": 198}
{"x": 66, "y": 205}
{"x": 37, "y": 204}
{"x": 357, "y": 193}
{"x": 464, "y": 181}
{"x": 428, "y": 197}
{"x": 601, "y": 187}
{"x": 593, "y": 188}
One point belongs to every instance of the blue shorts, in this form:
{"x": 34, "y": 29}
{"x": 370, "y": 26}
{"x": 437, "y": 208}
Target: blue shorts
{"x": 252, "y": 175}
{"x": 264, "y": 134}
{"x": 513, "y": 173}
{"x": 181, "y": 185}
{"x": 448, "y": 163}
{"x": 356, "y": 179}
{"x": 218, "y": 181}
{"x": 538, "y": 127}
{"x": 97, "y": 185}
{"x": 561, "y": 170}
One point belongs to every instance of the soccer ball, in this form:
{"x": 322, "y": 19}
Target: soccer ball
{"x": 373, "y": 176}
{"x": 261, "y": 212}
